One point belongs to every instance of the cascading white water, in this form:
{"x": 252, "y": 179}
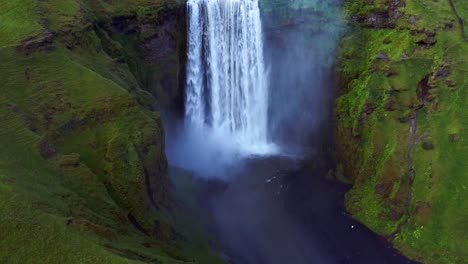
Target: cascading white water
{"x": 226, "y": 89}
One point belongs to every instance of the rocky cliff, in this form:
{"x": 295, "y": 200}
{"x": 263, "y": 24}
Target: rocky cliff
{"x": 83, "y": 175}
{"x": 82, "y": 163}
{"x": 401, "y": 123}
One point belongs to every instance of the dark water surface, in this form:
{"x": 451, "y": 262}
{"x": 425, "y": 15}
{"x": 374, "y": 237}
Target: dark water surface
{"x": 276, "y": 211}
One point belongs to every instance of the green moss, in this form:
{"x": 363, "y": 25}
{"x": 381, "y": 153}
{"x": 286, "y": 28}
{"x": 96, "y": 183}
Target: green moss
{"x": 83, "y": 175}
{"x": 33, "y": 205}
{"x": 61, "y": 15}
{"x": 192, "y": 216}
{"x": 23, "y": 224}
{"x": 19, "y": 20}
{"x": 431, "y": 227}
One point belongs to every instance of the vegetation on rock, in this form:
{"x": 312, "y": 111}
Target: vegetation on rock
{"x": 401, "y": 124}
{"x": 83, "y": 175}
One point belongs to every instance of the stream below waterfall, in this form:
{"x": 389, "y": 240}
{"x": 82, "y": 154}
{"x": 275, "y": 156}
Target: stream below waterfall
{"x": 277, "y": 210}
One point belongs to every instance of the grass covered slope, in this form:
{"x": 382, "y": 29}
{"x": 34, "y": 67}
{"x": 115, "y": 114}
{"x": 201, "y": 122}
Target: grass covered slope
{"x": 402, "y": 124}
{"x": 83, "y": 175}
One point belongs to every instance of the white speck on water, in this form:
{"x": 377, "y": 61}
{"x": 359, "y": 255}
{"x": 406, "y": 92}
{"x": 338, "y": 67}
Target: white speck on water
{"x": 352, "y": 226}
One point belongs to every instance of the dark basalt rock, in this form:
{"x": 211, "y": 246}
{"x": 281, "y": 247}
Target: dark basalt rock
{"x": 423, "y": 89}
{"x": 428, "y": 40}
{"x": 46, "y": 149}
{"x": 442, "y": 72}
{"x": 41, "y": 42}
{"x": 366, "y": 112}
{"x": 382, "y": 55}
{"x": 125, "y": 24}
{"x": 404, "y": 55}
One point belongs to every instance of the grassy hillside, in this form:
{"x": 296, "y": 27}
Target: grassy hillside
{"x": 402, "y": 124}
{"x": 83, "y": 175}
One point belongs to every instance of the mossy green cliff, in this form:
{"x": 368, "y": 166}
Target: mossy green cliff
{"x": 402, "y": 123}
{"x": 83, "y": 175}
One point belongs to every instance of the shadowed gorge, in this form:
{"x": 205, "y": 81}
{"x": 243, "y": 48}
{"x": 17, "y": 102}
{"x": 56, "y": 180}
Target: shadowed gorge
{"x": 233, "y": 131}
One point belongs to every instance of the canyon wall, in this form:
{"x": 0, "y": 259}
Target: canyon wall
{"x": 401, "y": 123}
{"x": 83, "y": 173}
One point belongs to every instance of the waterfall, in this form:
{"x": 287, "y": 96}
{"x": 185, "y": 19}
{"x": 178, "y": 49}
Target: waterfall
{"x": 226, "y": 85}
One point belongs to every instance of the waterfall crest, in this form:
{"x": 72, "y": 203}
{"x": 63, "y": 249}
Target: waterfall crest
{"x": 226, "y": 85}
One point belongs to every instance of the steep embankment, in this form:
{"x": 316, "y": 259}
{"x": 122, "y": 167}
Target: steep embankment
{"x": 401, "y": 123}
{"x": 83, "y": 175}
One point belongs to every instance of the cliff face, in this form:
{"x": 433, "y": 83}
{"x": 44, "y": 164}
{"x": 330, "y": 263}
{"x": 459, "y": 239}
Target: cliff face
{"x": 401, "y": 123}
{"x": 83, "y": 174}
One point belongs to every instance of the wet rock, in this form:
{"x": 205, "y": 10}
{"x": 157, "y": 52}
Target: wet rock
{"x": 366, "y": 112}
{"x": 442, "y": 72}
{"x": 378, "y": 19}
{"x": 382, "y": 55}
{"x": 160, "y": 47}
{"x": 394, "y": 9}
{"x": 126, "y": 23}
{"x": 404, "y": 55}
{"x": 147, "y": 28}
{"x": 423, "y": 89}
